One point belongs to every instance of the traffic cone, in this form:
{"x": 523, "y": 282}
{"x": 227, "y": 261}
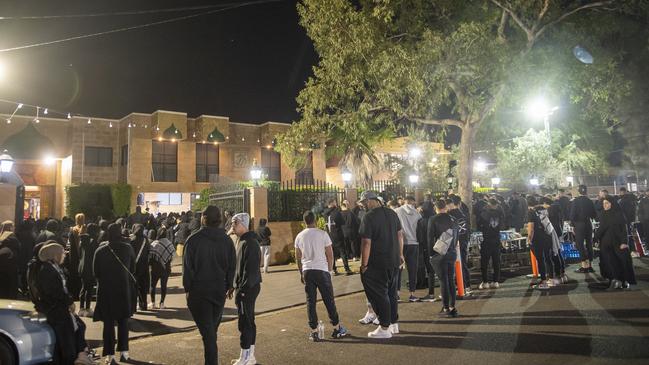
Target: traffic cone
{"x": 459, "y": 279}
{"x": 535, "y": 267}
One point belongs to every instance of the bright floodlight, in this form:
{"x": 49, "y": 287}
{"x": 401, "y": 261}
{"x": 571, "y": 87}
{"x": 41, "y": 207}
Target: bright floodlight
{"x": 255, "y": 173}
{"x": 414, "y": 178}
{"x": 534, "y": 182}
{"x": 495, "y": 181}
{"x": 537, "y": 108}
{"x": 347, "y": 176}
{"x": 49, "y": 160}
{"x": 570, "y": 179}
{"x": 415, "y": 152}
{"x": 480, "y": 166}
{"x": 6, "y": 162}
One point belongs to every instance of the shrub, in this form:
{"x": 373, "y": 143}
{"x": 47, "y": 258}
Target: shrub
{"x": 89, "y": 199}
{"x": 121, "y": 196}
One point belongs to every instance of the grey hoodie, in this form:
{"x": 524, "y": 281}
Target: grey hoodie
{"x": 409, "y": 216}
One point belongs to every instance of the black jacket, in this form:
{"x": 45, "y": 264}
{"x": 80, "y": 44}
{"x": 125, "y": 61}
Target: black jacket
{"x": 182, "y": 232}
{"x": 116, "y": 291}
{"x": 9, "y": 260}
{"x": 437, "y": 225}
{"x": 248, "y": 261}
{"x": 350, "y": 226}
{"x": 582, "y": 210}
{"x": 555, "y": 214}
{"x": 490, "y": 223}
{"x": 139, "y": 242}
{"x": 335, "y": 225}
{"x": 628, "y": 204}
{"x": 643, "y": 209}
{"x": 87, "y": 248}
{"x": 263, "y": 233}
{"x": 209, "y": 262}
{"x": 54, "y": 302}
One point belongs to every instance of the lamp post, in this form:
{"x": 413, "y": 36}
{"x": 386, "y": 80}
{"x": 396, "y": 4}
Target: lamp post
{"x": 495, "y": 181}
{"x": 6, "y": 164}
{"x": 347, "y": 177}
{"x": 255, "y": 172}
{"x": 570, "y": 180}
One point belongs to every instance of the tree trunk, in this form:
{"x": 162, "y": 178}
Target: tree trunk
{"x": 465, "y": 168}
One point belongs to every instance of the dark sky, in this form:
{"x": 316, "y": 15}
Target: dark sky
{"x": 247, "y": 63}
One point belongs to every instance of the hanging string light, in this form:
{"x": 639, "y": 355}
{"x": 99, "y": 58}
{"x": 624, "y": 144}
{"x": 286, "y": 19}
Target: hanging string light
{"x": 45, "y": 111}
{"x": 89, "y": 121}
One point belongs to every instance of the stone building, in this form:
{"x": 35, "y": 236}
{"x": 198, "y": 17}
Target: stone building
{"x": 166, "y": 157}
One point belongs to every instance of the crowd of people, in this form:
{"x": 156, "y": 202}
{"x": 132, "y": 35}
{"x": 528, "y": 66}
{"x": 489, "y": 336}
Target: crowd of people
{"x": 57, "y": 263}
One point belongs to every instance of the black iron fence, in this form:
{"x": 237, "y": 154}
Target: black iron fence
{"x": 237, "y": 201}
{"x": 288, "y": 201}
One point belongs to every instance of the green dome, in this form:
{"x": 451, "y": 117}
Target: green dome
{"x": 28, "y": 144}
{"x": 172, "y": 133}
{"x": 216, "y": 136}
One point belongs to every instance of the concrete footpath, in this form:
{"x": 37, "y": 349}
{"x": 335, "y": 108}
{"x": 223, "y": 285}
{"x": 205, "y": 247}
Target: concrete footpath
{"x": 280, "y": 289}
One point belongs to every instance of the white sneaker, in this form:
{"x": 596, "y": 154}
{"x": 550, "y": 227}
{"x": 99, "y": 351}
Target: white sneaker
{"x": 394, "y": 328}
{"x": 245, "y": 358}
{"x": 252, "y": 360}
{"x": 369, "y": 318}
{"x": 550, "y": 283}
{"x": 616, "y": 284}
{"x": 635, "y": 254}
{"x": 89, "y": 313}
{"x": 82, "y": 313}
{"x": 162, "y": 305}
{"x": 152, "y": 306}
{"x": 124, "y": 356}
{"x": 495, "y": 285}
{"x": 564, "y": 279}
{"x": 380, "y": 333}
{"x": 109, "y": 359}
{"x": 376, "y": 321}
{"x": 483, "y": 286}
{"x": 543, "y": 286}
{"x": 556, "y": 282}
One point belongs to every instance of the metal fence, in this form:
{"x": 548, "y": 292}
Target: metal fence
{"x": 237, "y": 201}
{"x": 289, "y": 201}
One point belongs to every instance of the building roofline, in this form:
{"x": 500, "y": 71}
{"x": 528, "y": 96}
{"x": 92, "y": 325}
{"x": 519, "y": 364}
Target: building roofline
{"x": 276, "y": 123}
{"x": 211, "y": 116}
{"x": 168, "y": 111}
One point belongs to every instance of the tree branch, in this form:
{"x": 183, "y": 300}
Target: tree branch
{"x": 597, "y": 4}
{"x": 517, "y": 20}
{"x": 427, "y": 121}
{"x": 501, "y": 28}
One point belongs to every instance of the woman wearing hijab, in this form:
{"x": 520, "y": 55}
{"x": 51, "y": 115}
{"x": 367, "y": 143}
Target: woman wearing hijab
{"x": 614, "y": 250}
{"x": 74, "y": 280}
{"x": 56, "y": 303}
{"x": 160, "y": 257}
{"x": 9, "y": 259}
{"x": 113, "y": 267}
{"x": 141, "y": 247}
{"x": 88, "y": 244}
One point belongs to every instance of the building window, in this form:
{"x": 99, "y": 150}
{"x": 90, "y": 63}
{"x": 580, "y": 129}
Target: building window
{"x": 124, "y": 155}
{"x": 98, "y": 156}
{"x": 170, "y": 198}
{"x": 271, "y": 165}
{"x": 207, "y": 161}
{"x": 305, "y": 174}
{"x": 164, "y": 161}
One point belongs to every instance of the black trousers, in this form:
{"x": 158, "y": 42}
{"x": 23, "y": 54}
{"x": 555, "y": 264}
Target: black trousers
{"x": 85, "y": 296}
{"x": 430, "y": 272}
{"x": 584, "y": 240}
{"x": 245, "y": 301}
{"x": 445, "y": 269}
{"x": 143, "y": 283}
{"x": 380, "y": 286}
{"x": 558, "y": 265}
{"x": 314, "y": 281}
{"x": 206, "y": 308}
{"x": 411, "y": 255}
{"x": 341, "y": 251}
{"x": 109, "y": 335}
{"x": 163, "y": 277}
{"x": 629, "y": 237}
{"x": 490, "y": 251}
{"x": 464, "y": 257}
{"x": 542, "y": 251}
{"x": 68, "y": 342}
{"x": 644, "y": 228}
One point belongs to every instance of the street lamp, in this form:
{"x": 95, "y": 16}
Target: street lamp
{"x": 347, "y": 177}
{"x": 495, "y": 181}
{"x": 49, "y": 160}
{"x": 415, "y": 153}
{"x": 570, "y": 180}
{"x": 6, "y": 162}
{"x": 414, "y": 178}
{"x": 534, "y": 181}
{"x": 539, "y": 108}
{"x": 255, "y": 172}
{"x": 480, "y": 166}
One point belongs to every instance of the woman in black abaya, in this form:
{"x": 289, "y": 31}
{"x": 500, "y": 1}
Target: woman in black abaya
{"x": 614, "y": 251}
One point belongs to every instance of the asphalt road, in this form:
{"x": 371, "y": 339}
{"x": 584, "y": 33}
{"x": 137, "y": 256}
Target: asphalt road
{"x": 576, "y": 323}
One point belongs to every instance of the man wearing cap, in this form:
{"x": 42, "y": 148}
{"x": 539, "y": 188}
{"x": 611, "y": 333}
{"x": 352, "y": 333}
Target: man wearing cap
{"x": 247, "y": 284}
{"x": 381, "y": 256}
{"x": 208, "y": 273}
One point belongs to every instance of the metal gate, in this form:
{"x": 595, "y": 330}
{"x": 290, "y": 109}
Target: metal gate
{"x": 236, "y": 201}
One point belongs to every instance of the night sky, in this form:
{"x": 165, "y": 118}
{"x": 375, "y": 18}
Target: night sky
{"x": 247, "y": 63}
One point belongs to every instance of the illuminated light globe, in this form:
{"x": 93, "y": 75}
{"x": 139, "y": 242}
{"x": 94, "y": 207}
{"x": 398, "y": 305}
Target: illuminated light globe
{"x": 495, "y": 181}
{"x": 570, "y": 180}
{"x": 6, "y": 162}
{"x": 582, "y": 55}
{"x": 347, "y": 176}
{"x": 49, "y": 160}
{"x": 415, "y": 152}
{"x": 414, "y": 178}
{"x": 480, "y": 166}
{"x": 534, "y": 182}
{"x": 255, "y": 172}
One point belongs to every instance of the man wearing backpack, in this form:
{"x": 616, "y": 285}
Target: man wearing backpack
{"x": 490, "y": 223}
{"x": 442, "y": 235}
{"x": 453, "y": 204}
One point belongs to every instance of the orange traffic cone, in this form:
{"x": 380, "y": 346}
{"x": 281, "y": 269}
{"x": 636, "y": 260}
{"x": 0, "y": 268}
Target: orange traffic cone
{"x": 535, "y": 267}
{"x": 459, "y": 279}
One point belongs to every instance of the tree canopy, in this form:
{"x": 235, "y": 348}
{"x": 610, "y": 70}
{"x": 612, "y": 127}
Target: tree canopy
{"x": 459, "y": 64}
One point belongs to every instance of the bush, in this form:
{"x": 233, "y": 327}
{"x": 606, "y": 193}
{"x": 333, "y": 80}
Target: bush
{"x": 121, "y": 196}
{"x": 89, "y": 199}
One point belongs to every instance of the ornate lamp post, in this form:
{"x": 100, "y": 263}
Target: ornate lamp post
{"x": 6, "y": 164}
{"x": 347, "y": 177}
{"x": 255, "y": 172}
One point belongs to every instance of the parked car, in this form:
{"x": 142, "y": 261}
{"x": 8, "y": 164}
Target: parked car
{"x": 25, "y": 336}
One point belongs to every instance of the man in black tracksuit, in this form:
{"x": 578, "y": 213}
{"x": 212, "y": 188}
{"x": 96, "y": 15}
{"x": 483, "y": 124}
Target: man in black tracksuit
{"x": 581, "y": 212}
{"x": 335, "y": 223}
{"x": 490, "y": 223}
{"x": 247, "y": 284}
{"x": 208, "y": 272}
{"x": 454, "y": 203}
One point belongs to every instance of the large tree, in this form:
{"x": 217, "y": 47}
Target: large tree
{"x": 450, "y": 63}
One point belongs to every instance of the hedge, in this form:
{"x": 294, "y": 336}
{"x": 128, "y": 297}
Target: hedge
{"x": 95, "y": 200}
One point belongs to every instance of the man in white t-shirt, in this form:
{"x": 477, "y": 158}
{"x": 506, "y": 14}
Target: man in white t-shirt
{"x": 314, "y": 255}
